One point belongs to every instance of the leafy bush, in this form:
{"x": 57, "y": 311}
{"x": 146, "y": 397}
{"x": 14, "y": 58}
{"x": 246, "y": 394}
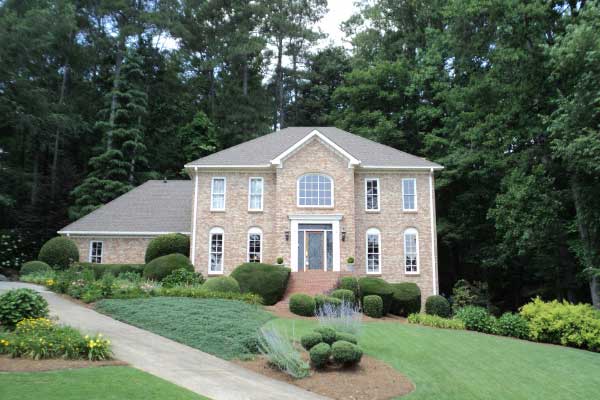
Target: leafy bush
{"x": 302, "y": 304}
{"x": 344, "y": 295}
{"x": 202, "y": 293}
{"x": 406, "y": 298}
{"x": 437, "y": 305}
{"x": 467, "y": 294}
{"x": 282, "y": 354}
{"x": 514, "y": 325}
{"x": 115, "y": 269}
{"x": 160, "y": 267}
{"x": 268, "y": 281}
{"x": 311, "y": 339}
{"x": 435, "y": 321}
{"x": 59, "y": 252}
{"x": 172, "y": 243}
{"x": 322, "y": 300}
{"x": 183, "y": 277}
{"x": 130, "y": 276}
{"x": 347, "y": 337}
{"x": 377, "y": 286}
{"x": 328, "y": 334}
{"x": 35, "y": 267}
{"x": 320, "y": 354}
{"x": 19, "y": 304}
{"x": 344, "y": 318}
{"x": 350, "y": 283}
{"x": 575, "y": 325}
{"x": 222, "y": 284}
{"x": 41, "y": 278}
{"x": 346, "y": 353}
{"x": 15, "y": 248}
{"x": 477, "y": 319}
{"x": 279, "y": 260}
{"x": 373, "y": 306}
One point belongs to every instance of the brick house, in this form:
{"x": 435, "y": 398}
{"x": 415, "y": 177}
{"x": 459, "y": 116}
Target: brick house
{"x": 311, "y": 195}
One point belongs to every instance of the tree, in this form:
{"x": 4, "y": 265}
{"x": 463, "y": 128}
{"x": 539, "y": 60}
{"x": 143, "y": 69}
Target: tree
{"x": 198, "y": 138}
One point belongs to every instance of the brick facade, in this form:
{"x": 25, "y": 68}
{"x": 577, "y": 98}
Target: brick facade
{"x": 115, "y": 250}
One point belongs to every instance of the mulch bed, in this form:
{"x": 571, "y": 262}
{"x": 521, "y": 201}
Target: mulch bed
{"x": 8, "y": 364}
{"x": 370, "y": 380}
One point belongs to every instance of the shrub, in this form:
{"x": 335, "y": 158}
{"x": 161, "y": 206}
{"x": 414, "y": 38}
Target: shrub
{"x": 322, "y": 300}
{"x": 268, "y": 281}
{"x": 279, "y": 260}
{"x": 373, "y": 306}
{"x": 328, "y": 334}
{"x": 576, "y": 325}
{"x": 183, "y": 277}
{"x": 406, "y": 298}
{"x": 350, "y": 260}
{"x": 19, "y": 304}
{"x": 222, "y": 284}
{"x": 160, "y": 267}
{"x": 344, "y": 318}
{"x": 514, "y": 325}
{"x": 115, "y": 269}
{"x": 344, "y": 295}
{"x": 202, "y": 293}
{"x": 172, "y": 243}
{"x": 477, "y": 319}
{"x": 311, "y": 339}
{"x": 281, "y": 353}
{"x": 377, "y": 286}
{"x": 39, "y": 278}
{"x": 35, "y": 267}
{"x": 346, "y": 353}
{"x": 346, "y": 337}
{"x": 59, "y": 252}
{"x": 350, "y": 283}
{"x": 437, "y": 305}
{"x": 467, "y": 294}
{"x": 320, "y": 354}
{"x": 435, "y": 321}
{"x": 302, "y": 304}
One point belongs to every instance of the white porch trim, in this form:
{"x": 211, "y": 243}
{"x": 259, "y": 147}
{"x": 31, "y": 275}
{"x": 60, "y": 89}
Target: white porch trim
{"x": 297, "y": 219}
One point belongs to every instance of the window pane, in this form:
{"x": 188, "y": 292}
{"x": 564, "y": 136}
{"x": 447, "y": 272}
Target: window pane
{"x": 410, "y": 249}
{"x": 372, "y": 194}
{"x": 254, "y": 243}
{"x": 216, "y": 252}
{"x": 218, "y": 194}
{"x": 373, "y": 255}
{"x": 409, "y": 194}
{"x": 315, "y": 190}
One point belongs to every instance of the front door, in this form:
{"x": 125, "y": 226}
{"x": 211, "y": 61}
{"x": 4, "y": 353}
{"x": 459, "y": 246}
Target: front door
{"x": 315, "y": 250}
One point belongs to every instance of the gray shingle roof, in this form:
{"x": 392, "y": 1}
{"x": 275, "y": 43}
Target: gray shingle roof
{"x": 262, "y": 150}
{"x": 154, "y": 206}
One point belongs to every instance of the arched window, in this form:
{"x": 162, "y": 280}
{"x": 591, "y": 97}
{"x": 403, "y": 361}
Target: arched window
{"x": 373, "y": 250}
{"x": 255, "y": 245}
{"x": 215, "y": 250}
{"x": 411, "y": 251}
{"x": 315, "y": 190}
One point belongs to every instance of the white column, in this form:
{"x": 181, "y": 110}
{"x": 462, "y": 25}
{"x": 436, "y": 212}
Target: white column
{"x": 194, "y": 218}
{"x": 294, "y": 244}
{"x": 336, "y": 245}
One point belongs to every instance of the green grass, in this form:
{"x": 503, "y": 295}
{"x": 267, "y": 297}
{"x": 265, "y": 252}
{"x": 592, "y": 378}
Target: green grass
{"x": 223, "y": 328}
{"x": 98, "y": 383}
{"x": 446, "y": 364}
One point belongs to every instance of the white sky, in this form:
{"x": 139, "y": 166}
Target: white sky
{"x": 339, "y": 11}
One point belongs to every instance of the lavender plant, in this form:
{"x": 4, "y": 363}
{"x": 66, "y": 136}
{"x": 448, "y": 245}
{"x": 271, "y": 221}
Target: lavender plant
{"x": 342, "y": 318}
{"x": 280, "y": 352}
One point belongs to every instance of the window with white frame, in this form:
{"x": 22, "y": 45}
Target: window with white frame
{"x": 255, "y": 194}
{"x": 372, "y": 194}
{"x": 409, "y": 194}
{"x": 315, "y": 190}
{"x": 411, "y": 251}
{"x": 216, "y": 246}
{"x": 373, "y": 251}
{"x": 217, "y": 194}
{"x": 96, "y": 252}
{"x": 255, "y": 245}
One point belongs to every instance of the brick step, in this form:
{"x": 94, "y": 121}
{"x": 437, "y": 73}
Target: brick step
{"x": 311, "y": 283}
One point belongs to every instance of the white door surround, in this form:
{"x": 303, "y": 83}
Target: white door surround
{"x": 297, "y": 219}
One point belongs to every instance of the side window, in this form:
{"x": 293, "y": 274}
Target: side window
{"x": 409, "y": 194}
{"x": 373, "y": 250}
{"x": 255, "y": 194}
{"x": 372, "y": 194}
{"x": 411, "y": 251}
{"x": 216, "y": 249}
{"x": 217, "y": 193}
{"x": 96, "y": 248}
{"x": 255, "y": 245}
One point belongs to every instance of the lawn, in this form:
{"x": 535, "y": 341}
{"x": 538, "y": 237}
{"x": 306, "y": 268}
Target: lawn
{"x": 223, "y": 328}
{"x": 99, "y": 383}
{"x": 447, "y": 364}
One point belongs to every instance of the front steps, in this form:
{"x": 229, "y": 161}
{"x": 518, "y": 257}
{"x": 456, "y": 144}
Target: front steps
{"x": 311, "y": 282}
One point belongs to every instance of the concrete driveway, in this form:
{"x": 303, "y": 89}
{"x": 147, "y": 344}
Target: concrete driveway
{"x": 184, "y": 366}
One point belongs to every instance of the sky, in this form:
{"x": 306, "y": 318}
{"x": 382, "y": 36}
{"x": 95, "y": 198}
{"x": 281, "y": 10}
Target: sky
{"x": 339, "y": 11}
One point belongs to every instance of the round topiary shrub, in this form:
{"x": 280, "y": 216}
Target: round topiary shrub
{"x": 406, "y": 298}
{"x": 59, "y": 252}
{"x": 311, "y": 339}
{"x": 346, "y": 353}
{"x": 302, "y": 304}
{"x": 35, "y": 267}
{"x": 344, "y": 295}
{"x": 182, "y": 277}
{"x": 346, "y": 337}
{"x": 320, "y": 354}
{"x": 437, "y": 305}
{"x": 18, "y": 304}
{"x": 377, "y": 286}
{"x": 373, "y": 306}
{"x": 222, "y": 284}
{"x": 350, "y": 283}
{"x": 268, "y": 281}
{"x": 160, "y": 267}
{"x": 172, "y": 243}
{"x": 328, "y": 334}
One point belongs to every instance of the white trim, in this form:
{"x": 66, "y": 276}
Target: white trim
{"x": 433, "y": 234}
{"x": 213, "y": 231}
{"x": 262, "y": 193}
{"x": 101, "y": 250}
{"x": 278, "y": 161}
{"x": 259, "y": 232}
{"x": 373, "y": 231}
{"x": 212, "y": 187}
{"x": 116, "y": 233}
{"x": 195, "y": 214}
{"x": 416, "y": 208}
{"x": 333, "y": 219}
{"x": 316, "y": 217}
{"x": 401, "y": 167}
{"x": 317, "y": 206}
{"x": 411, "y": 231}
{"x": 378, "y": 195}
{"x": 225, "y": 166}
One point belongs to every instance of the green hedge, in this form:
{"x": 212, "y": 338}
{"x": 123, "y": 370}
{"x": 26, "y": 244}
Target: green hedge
{"x": 302, "y": 304}
{"x": 160, "y": 267}
{"x": 59, "y": 252}
{"x": 435, "y": 321}
{"x": 168, "y": 244}
{"x": 268, "y": 281}
{"x": 373, "y": 306}
{"x": 222, "y": 284}
{"x": 113, "y": 269}
{"x": 379, "y": 287}
{"x": 406, "y": 298}
{"x": 438, "y": 305}
{"x": 35, "y": 267}
{"x": 201, "y": 293}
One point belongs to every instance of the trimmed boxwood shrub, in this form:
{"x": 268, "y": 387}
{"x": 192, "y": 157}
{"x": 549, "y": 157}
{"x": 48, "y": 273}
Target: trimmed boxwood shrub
{"x": 302, "y": 304}
{"x": 437, "y": 305}
{"x": 344, "y": 295}
{"x": 373, "y": 306}
{"x": 350, "y": 283}
{"x": 222, "y": 284}
{"x": 320, "y": 354}
{"x": 477, "y": 319}
{"x": 160, "y": 267}
{"x": 114, "y": 269}
{"x": 346, "y": 353}
{"x": 406, "y": 298}
{"x": 59, "y": 252}
{"x": 311, "y": 339}
{"x": 268, "y": 281}
{"x": 377, "y": 286}
{"x": 328, "y": 334}
{"x": 347, "y": 337}
{"x": 167, "y": 244}
{"x": 321, "y": 300}
{"x": 35, "y": 267}
{"x": 18, "y": 304}
{"x": 514, "y": 325}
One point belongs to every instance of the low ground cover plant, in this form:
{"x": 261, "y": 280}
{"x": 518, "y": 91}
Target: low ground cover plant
{"x": 20, "y": 304}
{"x": 202, "y": 293}
{"x": 282, "y": 354}
{"x": 438, "y": 305}
{"x": 172, "y": 243}
{"x": 59, "y": 252}
{"x": 435, "y": 321}
{"x": 268, "y": 281}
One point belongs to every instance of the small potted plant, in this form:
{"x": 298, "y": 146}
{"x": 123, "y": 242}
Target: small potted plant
{"x": 280, "y": 260}
{"x": 350, "y": 264}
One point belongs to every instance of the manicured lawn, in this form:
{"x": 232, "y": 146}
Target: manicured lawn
{"x": 99, "y": 383}
{"x": 223, "y": 328}
{"x": 447, "y": 364}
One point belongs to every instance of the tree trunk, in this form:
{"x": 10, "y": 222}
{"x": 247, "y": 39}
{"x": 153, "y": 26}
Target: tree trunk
{"x": 54, "y": 168}
{"x": 595, "y": 291}
{"x": 280, "y": 102}
{"x": 245, "y": 77}
{"x": 113, "y": 100}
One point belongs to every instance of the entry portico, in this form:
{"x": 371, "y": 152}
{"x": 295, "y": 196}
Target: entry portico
{"x": 307, "y": 231}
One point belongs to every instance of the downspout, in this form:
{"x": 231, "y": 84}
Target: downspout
{"x": 433, "y": 234}
{"x": 195, "y": 215}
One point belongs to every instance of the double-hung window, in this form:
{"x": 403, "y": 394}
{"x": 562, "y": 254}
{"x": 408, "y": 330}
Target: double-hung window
{"x": 216, "y": 246}
{"x": 254, "y": 245}
{"x": 409, "y": 194}
{"x": 96, "y": 252}
{"x": 255, "y": 194}
{"x": 372, "y": 194}
{"x": 217, "y": 194}
{"x": 373, "y": 251}
{"x": 411, "y": 251}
